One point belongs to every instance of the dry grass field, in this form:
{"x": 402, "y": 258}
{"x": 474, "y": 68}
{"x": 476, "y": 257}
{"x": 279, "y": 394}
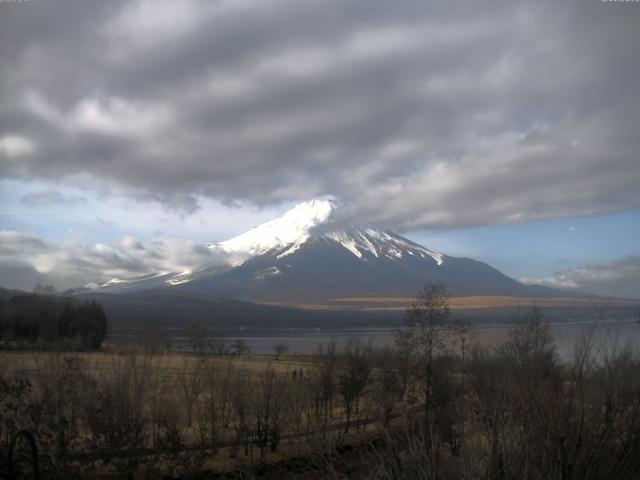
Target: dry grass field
{"x": 478, "y": 302}
{"x": 31, "y": 363}
{"x": 220, "y": 413}
{"x": 354, "y": 413}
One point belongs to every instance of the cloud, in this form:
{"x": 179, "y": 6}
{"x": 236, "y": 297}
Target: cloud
{"x": 117, "y": 116}
{"x": 15, "y": 145}
{"x": 49, "y": 197}
{"x": 619, "y": 277}
{"x": 26, "y": 259}
{"x": 418, "y": 114}
{"x": 19, "y": 275}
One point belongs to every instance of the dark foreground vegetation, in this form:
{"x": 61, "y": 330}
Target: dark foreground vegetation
{"x": 44, "y": 320}
{"x": 438, "y": 406}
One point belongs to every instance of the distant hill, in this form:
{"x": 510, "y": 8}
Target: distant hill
{"x": 173, "y": 307}
{"x": 178, "y": 308}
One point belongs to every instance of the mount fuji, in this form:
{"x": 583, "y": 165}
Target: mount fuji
{"x": 314, "y": 253}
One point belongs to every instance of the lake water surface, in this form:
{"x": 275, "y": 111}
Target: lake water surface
{"x": 618, "y": 334}
{"x": 605, "y": 334}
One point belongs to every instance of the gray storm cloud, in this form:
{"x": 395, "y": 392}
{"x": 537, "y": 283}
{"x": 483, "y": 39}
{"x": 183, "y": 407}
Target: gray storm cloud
{"x": 417, "y": 114}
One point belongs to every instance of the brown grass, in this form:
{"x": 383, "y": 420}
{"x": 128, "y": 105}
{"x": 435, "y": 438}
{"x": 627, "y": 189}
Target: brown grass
{"x": 28, "y": 363}
{"x": 381, "y": 304}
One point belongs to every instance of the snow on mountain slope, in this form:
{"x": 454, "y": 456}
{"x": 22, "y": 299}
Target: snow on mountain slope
{"x": 306, "y": 222}
{"x": 312, "y": 254}
{"x": 311, "y": 220}
{"x": 289, "y": 230}
{"x": 380, "y": 243}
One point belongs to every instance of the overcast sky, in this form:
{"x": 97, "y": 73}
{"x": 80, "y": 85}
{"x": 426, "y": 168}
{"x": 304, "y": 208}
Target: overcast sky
{"x": 131, "y": 132}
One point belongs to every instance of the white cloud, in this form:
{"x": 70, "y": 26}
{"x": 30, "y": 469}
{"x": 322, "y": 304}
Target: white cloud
{"x": 16, "y": 145}
{"x": 36, "y": 104}
{"x": 619, "y": 277}
{"x": 559, "y": 280}
{"x": 72, "y": 264}
{"x": 144, "y": 24}
{"x": 118, "y": 116}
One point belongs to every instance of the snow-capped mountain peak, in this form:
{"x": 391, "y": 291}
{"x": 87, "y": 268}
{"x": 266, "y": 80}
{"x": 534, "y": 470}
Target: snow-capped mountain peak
{"x": 315, "y": 223}
{"x": 316, "y": 253}
{"x": 289, "y": 230}
{"x": 316, "y": 219}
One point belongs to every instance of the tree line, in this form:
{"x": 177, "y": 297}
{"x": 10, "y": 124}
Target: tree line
{"x": 46, "y": 320}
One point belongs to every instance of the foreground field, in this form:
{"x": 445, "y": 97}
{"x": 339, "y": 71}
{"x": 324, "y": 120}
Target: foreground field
{"x": 439, "y": 406}
{"x": 135, "y": 411}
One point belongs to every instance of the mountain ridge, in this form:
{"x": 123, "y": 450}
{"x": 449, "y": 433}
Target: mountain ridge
{"x": 315, "y": 252}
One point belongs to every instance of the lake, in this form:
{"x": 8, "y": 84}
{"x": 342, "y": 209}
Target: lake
{"x": 611, "y": 333}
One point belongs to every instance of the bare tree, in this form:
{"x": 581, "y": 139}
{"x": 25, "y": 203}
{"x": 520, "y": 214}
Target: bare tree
{"x": 215, "y": 409}
{"x": 218, "y": 345}
{"x": 197, "y": 338}
{"x": 280, "y": 349}
{"x": 323, "y": 383}
{"x": 388, "y": 386}
{"x": 242, "y": 401}
{"x": 270, "y": 409}
{"x": 190, "y": 379}
{"x": 423, "y": 338}
{"x": 530, "y": 346}
{"x": 299, "y": 395}
{"x": 353, "y": 377}
{"x": 240, "y": 346}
